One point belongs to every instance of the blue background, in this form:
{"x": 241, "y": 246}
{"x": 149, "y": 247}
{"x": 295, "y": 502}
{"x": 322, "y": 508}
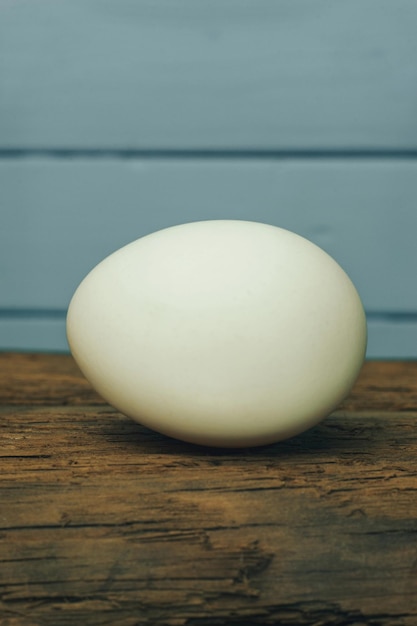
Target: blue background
{"x": 121, "y": 117}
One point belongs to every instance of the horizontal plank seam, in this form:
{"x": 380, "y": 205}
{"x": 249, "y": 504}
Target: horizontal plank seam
{"x": 48, "y": 313}
{"x": 208, "y": 153}
{"x": 30, "y": 313}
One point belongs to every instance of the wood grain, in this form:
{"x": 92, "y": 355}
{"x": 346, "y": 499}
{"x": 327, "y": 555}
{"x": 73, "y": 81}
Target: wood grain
{"x": 105, "y": 522}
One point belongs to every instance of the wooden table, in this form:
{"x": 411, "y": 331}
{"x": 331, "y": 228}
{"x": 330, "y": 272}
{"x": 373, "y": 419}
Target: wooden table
{"x": 105, "y": 522}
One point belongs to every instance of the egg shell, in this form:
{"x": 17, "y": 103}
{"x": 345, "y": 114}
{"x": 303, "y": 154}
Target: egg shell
{"x": 223, "y": 333}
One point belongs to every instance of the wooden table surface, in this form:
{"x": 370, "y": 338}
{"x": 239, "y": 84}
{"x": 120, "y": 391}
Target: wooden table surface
{"x": 105, "y": 522}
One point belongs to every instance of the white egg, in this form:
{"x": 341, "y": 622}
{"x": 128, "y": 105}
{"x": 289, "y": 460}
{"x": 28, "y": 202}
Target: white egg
{"x": 223, "y": 333}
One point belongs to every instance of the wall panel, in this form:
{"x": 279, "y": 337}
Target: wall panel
{"x": 118, "y": 118}
{"x": 241, "y": 74}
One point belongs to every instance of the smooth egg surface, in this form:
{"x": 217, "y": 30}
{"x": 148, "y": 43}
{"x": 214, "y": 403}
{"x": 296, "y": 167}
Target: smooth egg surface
{"x": 223, "y": 333}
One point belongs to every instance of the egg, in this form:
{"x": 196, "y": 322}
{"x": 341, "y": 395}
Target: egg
{"x": 223, "y": 333}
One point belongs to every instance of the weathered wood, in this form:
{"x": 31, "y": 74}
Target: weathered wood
{"x": 103, "y": 521}
{"x": 30, "y": 379}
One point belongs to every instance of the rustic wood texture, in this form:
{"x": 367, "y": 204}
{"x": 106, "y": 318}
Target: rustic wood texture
{"x": 105, "y": 522}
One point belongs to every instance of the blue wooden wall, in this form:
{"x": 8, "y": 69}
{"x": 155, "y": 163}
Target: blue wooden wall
{"x": 120, "y": 117}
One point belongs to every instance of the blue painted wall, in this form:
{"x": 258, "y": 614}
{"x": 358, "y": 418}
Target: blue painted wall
{"x": 118, "y": 118}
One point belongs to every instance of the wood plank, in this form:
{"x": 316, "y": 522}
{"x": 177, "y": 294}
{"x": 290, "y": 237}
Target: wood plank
{"x": 55, "y": 380}
{"x": 33, "y": 333}
{"x": 61, "y": 217}
{"x": 43, "y": 379}
{"x": 105, "y": 521}
{"x": 392, "y": 339}
{"x": 153, "y": 74}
